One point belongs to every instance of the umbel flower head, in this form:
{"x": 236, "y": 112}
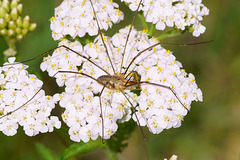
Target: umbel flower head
{"x": 12, "y": 25}
{"x": 17, "y": 87}
{"x": 156, "y": 107}
{"x": 181, "y": 14}
{"x": 164, "y": 90}
{"x": 76, "y": 18}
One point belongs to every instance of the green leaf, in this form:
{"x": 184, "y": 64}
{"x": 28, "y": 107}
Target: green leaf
{"x": 172, "y": 33}
{"x": 79, "y": 148}
{"x": 44, "y": 152}
{"x": 144, "y": 23}
{"x": 151, "y": 32}
{"x": 118, "y": 141}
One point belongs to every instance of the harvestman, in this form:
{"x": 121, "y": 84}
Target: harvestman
{"x": 118, "y": 81}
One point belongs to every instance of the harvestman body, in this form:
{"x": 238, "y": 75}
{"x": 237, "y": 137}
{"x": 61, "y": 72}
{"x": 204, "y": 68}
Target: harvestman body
{"x": 115, "y": 82}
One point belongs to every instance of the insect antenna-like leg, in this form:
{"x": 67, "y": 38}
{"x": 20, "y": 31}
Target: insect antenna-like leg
{"x": 100, "y": 32}
{"x": 44, "y": 53}
{"x": 131, "y": 74}
{"x": 163, "y": 86}
{"x": 43, "y": 86}
{"x": 62, "y": 46}
{"x": 154, "y": 45}
{"x": 130, "y": 29}
{"x": 104, "y": 86}
{"x": 100, "y": 102}
{"x": 85, "y": 58}
{"x": 140, "y": 127}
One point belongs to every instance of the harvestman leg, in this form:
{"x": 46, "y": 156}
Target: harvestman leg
{"x": 134, "y": 111}
{"x": 121, "y": 62}
{"x": 160, "y": 85}
{"x": 159, "y": 43}
{"x": 100, "y": 32}
{"x": 44, "y": 85}
{"x": 62, "y": 46}
{"x": 104, "y": 86}
{"x": 130, "y": 29}
{"x": 100, "y": 102}
{"x": 131, "y": 74}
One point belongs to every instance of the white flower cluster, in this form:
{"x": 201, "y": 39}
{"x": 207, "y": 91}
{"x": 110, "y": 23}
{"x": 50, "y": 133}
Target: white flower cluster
{"x": 174, "y": 157}
{"x": 157, "y": 107}
{"x": 16, "y": 88}
{"x": 173, "y": 13}
{"x": 76, "y": 18}
{"x": 81, "y": 96}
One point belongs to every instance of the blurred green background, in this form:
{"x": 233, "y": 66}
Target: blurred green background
{"x": 211, "y": 131}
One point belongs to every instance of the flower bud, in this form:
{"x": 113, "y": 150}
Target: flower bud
{"x": 10, "y": 52}
{"x": 19, "y": 8}
{"x": 12, "y": 25}
{"x": 14, "y": 3}
{"x": 32, "y": 27}
{"x": 7, "y": 17}
{"x": 14, "y": 13}
{"x": 3, "y": 32}
{"x": 5, "y": 5}
{"x": 18, "y": 30}
{"x": 26, "y": 22}
{"x": 24, "y": 31}
{"x": 11, "y": 33}
{"x": 19, "y": 37}
{"x": 2, "y": 12}
{"x": 3, "y": 23}
{"x": 19, "y": 21}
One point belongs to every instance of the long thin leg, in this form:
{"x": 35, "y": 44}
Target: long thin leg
{"x": 144, "y": 50}
{"x": 102, "y": 112}
{"x": 100, "y": 32}
{"x": 46, "y": 84}
{"x": 131, "y": 74}
{"x": 160, "y": 85}
{"x": 130, "y": 29}
{"x": 134, "y": 110}
{"x": 44, "y": 53}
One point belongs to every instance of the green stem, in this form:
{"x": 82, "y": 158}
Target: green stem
{"x": 79, "y": 148}
{"x": 11, "y": 43}
{"x": 111, "y": 154}
{"x": 172, "y": 33}
{"x": 144, "y": 23}
{"x": 152, "y": 30}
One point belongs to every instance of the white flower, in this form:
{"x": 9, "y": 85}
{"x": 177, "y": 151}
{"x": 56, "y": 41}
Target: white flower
{"x": 87, "y": 132}
{"x": 74, "y": 133}
{"x": 157, "y": 107}
{"x": 177, "y": 13}
{"x": 198, "y": 29}
{"x": 9, "y": 128}
{"x": 30, "y": 127}
{"x": 76, "y": 18}
{"x": 17, "y": 88}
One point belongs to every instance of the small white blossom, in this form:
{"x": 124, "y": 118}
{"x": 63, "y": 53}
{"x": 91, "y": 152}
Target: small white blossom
{"x": 17, "y": 88}
{"x": 198, "y": 29}
{"x": 177, "y": 13}
{"x": 76, "y": 18}
{"x": 174, "y": 157}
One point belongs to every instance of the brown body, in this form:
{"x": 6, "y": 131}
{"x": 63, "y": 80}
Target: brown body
{"x": 115, "y": 82}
